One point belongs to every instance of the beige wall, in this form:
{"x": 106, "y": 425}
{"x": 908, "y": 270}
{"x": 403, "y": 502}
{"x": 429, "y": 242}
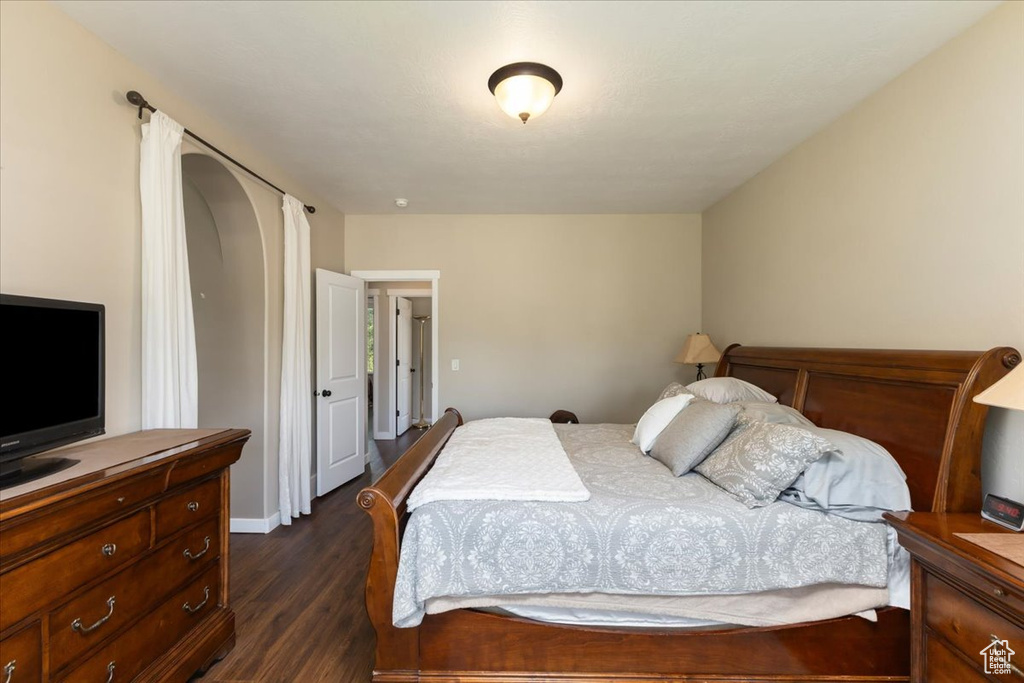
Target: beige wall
{"x": 545, "y": 312}
{"x": 900, "y": 225}
{"x": 69, "y": 198}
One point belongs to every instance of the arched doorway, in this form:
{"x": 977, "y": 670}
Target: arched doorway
{"x": 226, "y": 267}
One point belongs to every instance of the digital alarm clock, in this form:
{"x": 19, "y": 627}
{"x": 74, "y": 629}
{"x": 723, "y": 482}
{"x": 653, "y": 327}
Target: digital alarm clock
{"x": 1003, "y": 511}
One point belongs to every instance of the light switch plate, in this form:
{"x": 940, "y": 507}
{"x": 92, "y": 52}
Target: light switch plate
{"x": 455, "y": 364}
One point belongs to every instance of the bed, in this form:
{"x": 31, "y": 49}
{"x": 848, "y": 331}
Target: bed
{"x": 914, "y": 403}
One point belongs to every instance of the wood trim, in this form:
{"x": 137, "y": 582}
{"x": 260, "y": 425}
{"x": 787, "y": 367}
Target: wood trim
{"x": 469, "y": 645}
{"x": 411, "y": 293}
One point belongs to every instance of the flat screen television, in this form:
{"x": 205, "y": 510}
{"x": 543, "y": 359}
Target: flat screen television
{"x": 51, "y": 374}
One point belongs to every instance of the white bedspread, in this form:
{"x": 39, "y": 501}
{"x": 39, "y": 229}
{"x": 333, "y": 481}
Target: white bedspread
{"x": 502, "y": 459}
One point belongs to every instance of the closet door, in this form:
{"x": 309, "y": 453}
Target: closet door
{"x": 403, "y": 375}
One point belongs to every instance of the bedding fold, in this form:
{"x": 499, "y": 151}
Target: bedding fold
{"x": 506, "y": 458}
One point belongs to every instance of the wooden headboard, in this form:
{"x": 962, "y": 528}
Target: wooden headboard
{"x": 917, "y": 404}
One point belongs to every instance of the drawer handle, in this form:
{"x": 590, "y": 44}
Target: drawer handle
{"x": 192, "y": 505}
{"x": 999, "y": 592}
{"x": 110, "y": 672}
{"x": 206, "y": 598}
{"x": 76, "y": 625}
{"x": 206, "y": 547}
{"x": 109, "y": 549}
{"x": 9, "y": 670}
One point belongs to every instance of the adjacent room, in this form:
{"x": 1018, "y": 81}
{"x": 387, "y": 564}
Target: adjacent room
{"x": 503, "y": 340}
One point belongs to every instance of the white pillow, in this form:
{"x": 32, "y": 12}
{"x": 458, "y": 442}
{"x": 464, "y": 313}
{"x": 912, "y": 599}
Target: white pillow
{"x": 657, "y": 418}
{"x": 729, "y": 390}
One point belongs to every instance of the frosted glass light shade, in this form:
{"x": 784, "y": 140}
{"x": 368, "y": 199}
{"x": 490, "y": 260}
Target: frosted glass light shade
{"x": 1006, "y": 393}
{"x": 525, "y": 90}
{"x": 524, "y": 97}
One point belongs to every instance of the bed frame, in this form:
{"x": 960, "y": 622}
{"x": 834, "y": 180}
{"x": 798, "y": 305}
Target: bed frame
{"x": 915, "y": 403}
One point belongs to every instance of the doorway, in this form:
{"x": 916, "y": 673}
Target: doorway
{"x": 226, "y": 269}
{"x": 384, "y": 291}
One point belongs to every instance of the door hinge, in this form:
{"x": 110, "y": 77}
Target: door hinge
{"x": 397, "y": 414}
{"x": 398, "y": 313}
{"x": 398, "y": 363}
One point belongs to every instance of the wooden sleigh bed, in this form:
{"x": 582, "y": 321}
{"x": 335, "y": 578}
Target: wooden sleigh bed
{"x": 917, "y": 404}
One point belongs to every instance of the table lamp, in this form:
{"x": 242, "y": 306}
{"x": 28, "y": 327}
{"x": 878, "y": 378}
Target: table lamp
{"x": 698, "y": 350}
{"x": 1006, "y": 393}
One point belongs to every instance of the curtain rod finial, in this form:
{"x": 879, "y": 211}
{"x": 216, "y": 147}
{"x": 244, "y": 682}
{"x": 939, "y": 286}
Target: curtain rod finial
{"x": 311, "y": 209}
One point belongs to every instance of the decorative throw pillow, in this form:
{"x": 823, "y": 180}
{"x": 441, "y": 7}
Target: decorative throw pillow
{"x": 657, "y": 418}
{"x": 693, "y": 434}
{"x": 775, "y": 413}
{"x": 673, "y": 389}
{"x": 729, "y": 390}
{"x": 760, "y": 459}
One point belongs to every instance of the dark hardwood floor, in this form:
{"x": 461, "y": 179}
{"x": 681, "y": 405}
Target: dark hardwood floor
{"x": 298, "y": 591}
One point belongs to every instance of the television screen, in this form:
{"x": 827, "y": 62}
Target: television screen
{"x": 51, "y": 370}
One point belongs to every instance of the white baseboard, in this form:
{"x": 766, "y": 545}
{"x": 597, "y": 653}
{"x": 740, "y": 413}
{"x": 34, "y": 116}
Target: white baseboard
{"x": 256, "y": 525}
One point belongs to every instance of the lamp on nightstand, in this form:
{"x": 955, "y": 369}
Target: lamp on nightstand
{"x": 1006, "y": 393}
{"x": 698, "y": 350}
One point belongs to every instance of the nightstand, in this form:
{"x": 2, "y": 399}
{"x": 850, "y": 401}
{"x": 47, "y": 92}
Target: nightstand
{"x": 967, "y": 600}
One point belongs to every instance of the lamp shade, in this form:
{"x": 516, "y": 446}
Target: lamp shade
{"x": 525, "y": 90}
{"x": 698, "y": 349}
{"x": 1006, "y": 393}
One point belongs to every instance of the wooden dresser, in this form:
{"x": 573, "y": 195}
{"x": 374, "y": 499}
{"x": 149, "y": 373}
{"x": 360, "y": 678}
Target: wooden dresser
{"x": 965, "y": 598}
{"x": 116, "y": 569}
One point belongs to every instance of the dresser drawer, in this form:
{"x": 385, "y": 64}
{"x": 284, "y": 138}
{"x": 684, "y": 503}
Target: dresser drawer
{"x": 965, "y": 623}
{"x": 34, "y": 585}
{"x": 21, "y": 656}
{"x": 942, "y": 665}
{"x": 121, "y": 599}
{"x": 81, "y": 512}
{"x": 137, "y": 648}
{"x": 189, "y": 506}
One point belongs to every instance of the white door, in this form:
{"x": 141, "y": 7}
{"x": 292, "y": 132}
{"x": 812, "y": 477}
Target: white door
{"x": 340, "y": 379}
{"x": 403, "y": 377}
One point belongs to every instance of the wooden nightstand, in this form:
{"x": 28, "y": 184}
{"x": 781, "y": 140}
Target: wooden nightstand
{"x": 963, "y": 597}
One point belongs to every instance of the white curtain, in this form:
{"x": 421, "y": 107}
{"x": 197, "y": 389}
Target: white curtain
{"x": 295, "y": 450}
{"x": 170, "y": 384}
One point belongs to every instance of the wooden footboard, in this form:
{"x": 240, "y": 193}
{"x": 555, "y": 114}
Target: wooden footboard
{"x": 916, "y": 404}
{"x": 397, "y": 648}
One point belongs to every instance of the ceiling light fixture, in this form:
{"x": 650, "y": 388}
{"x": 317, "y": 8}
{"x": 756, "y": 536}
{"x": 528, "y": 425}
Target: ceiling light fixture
{"x": 525, "y": 89}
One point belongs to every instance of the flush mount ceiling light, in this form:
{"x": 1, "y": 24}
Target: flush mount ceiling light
{"x": 525, "y": 89}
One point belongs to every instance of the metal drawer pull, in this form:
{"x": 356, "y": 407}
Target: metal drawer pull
{"x": 206, "y": 598}
{"x": 192, "y": 506}
{"x": 109, "y": 549}
{"x": 110, "y": 672}
{"x": 999, "y": 592}
{"x": 206, "y": 547}
{"x": 76, "y": 625}
{"x": 9, "y": 670}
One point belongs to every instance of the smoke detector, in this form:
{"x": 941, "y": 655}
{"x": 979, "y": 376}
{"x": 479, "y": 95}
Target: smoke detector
{"x": 401, "y": 202}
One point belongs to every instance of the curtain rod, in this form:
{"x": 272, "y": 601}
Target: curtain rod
{"x": 135, "y": 98}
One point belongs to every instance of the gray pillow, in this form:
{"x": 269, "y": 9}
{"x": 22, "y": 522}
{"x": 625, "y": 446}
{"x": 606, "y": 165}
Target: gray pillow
{"x": 760, "y": 459}
{"x": 773, "y": 412}
{"x": 693, "y": 434}
{"x": 859, "y": 480}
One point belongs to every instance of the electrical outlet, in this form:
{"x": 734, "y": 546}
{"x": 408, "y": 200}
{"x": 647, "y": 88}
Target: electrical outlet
{"x": 455, "y": 364}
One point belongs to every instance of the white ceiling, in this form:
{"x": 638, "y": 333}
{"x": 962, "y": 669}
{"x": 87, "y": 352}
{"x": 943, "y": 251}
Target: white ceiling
{"x": 667, "y": 106}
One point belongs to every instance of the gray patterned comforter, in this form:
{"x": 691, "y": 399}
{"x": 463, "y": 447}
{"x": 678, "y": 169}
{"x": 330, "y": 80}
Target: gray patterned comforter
{"x": 643, "y": 532}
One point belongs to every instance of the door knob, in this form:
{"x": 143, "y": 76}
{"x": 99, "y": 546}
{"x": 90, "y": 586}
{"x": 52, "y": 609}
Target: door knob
{"x": 326, "y": 393}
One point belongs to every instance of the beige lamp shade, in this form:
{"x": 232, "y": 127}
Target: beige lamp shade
{"x": 698, "y": 349}
{"x": 1006, "y": 393}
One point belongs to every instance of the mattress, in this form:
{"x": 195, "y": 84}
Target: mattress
{"x": 643, "y": 532}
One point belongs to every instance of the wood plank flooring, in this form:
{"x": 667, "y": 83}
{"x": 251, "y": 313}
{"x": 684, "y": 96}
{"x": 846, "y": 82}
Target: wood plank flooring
{"x": 297, "y": 592}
